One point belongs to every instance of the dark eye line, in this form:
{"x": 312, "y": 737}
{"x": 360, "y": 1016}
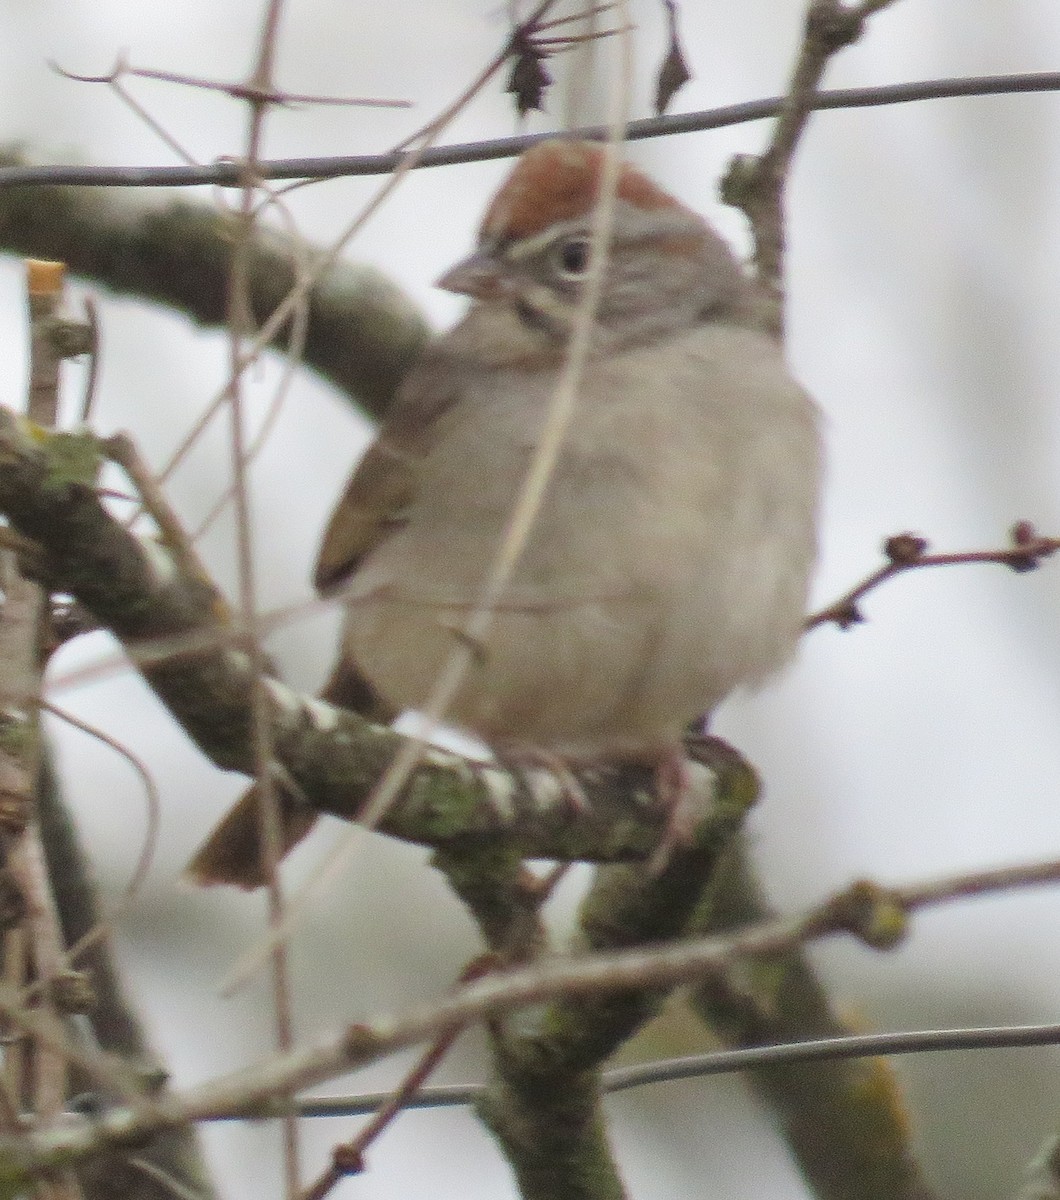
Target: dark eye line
{"x": 533, "y": 318}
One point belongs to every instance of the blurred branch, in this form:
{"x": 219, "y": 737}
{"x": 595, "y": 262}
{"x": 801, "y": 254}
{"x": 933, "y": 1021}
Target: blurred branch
{"x": 227, "y": 174}
{"x": 874, "y": 914}
{"x": 363, "y": 333}
{"x": 33, "y": 950}
{"x": 240, "y": 320}
{"x": 543, "y": 1102}
{"x": 908, "y": 551}
{"x": 844, "y": 1120}
{"x": 1043, "y": 1175}
{"x": 51, "y": 867}
{"x": 112, "y": 1018}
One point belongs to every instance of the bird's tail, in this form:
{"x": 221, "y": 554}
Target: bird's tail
{"x": 234, "y": 853}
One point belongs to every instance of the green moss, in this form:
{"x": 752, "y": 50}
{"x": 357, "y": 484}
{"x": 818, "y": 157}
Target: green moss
{"x": 18, "y": 738}
{"x": 72, "y": 458}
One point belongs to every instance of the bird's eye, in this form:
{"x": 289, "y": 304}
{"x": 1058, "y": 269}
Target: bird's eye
{"x": 571, "y": 257}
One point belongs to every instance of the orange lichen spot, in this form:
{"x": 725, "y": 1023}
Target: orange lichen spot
{"x": 559, "y": 180}
{"x": 44, "y": 278}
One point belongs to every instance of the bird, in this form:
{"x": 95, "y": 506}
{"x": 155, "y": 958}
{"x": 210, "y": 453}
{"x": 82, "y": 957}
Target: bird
{"x": 670, "y": 559}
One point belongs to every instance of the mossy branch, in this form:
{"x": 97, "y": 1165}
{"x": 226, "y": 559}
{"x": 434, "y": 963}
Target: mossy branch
{"x": 177, "y": 629}
{"x": 362, "y": 334}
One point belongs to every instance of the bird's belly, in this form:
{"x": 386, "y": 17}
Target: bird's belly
{"x": 569, "y": 676}
{"x": 602, "y": 649}
{"x": 652, "y": 584}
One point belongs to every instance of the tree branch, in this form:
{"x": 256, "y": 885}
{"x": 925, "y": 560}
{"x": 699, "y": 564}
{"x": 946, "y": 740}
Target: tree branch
{"x": 177, "y": 629}
{"x": 543, "y": 1101}
{"x": 874, "y": 914}
{"x": 755, "y": 183}
{"x": 844, "y": 1120}
{"x": 362, "y": 335}
{"x": 229, "y": 173}
{"x": 113, "y": 1020}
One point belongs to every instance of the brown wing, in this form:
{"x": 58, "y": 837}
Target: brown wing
{"x": 384, "y": 482}
{"x": 368, "y": 510}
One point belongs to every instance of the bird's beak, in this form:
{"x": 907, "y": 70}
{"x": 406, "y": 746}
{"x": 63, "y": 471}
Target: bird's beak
{"x": 479, "y": 276}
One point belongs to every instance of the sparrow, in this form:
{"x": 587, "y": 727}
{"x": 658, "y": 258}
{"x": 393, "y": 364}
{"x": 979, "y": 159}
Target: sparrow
{"x": 670, "y": 559}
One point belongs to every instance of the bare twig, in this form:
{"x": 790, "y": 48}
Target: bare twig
{"x": 348, "y": 1157}
{"x": 252, "y": 92}
{"x": 525, "y": 508}
{"x": 423, "y": 138}
{"x": 300, "y": 288}
{"x": 908, "y": 552}
{"x": 755, "y": 183}
{"x": 292, "y": 360}
{"x": 153, "y": 805}
{"x": 38, "y": 952}
{"x": 25, "y": 615}
{"x": 114, "y": 79}
{"x": 240, "y": 319}
{"x": 122, "y": 451}
{"x": 872, "y": 913}
{"x": 226, "y": 174}
{"x": 92, "y": 374}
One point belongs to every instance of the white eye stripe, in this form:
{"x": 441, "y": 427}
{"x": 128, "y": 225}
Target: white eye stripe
{"x": 528, "y": 247}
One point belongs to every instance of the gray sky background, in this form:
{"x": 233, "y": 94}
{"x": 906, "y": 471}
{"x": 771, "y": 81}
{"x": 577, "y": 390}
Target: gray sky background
{"x": 924, "y": 289}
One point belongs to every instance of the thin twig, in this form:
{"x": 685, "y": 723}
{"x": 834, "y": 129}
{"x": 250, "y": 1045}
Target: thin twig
{"x": 720, "y": 1062}
{"x": 525, "y": 507}
{"x": 862, "y": 910}
{"x": 347, "y": 1158}
{"x": 25, "y": 616}
{"x": 292, "y": 360}
{"x": 226, "y": 174}
{"x": 240, "y": 318}
{"x": 122, "y": 451}
{"x": 755, "y": 183}
{"x": 908, "y": 552}
{"x": 142, "y": 113}
{"x": 402, "y": 164}
{"x": 251, "y": 92}
{"x": 88, "y": 397}
{"x": 148, "y": 846}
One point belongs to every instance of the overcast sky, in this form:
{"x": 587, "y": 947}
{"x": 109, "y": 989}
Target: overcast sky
{"x": 923, "y": 295}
